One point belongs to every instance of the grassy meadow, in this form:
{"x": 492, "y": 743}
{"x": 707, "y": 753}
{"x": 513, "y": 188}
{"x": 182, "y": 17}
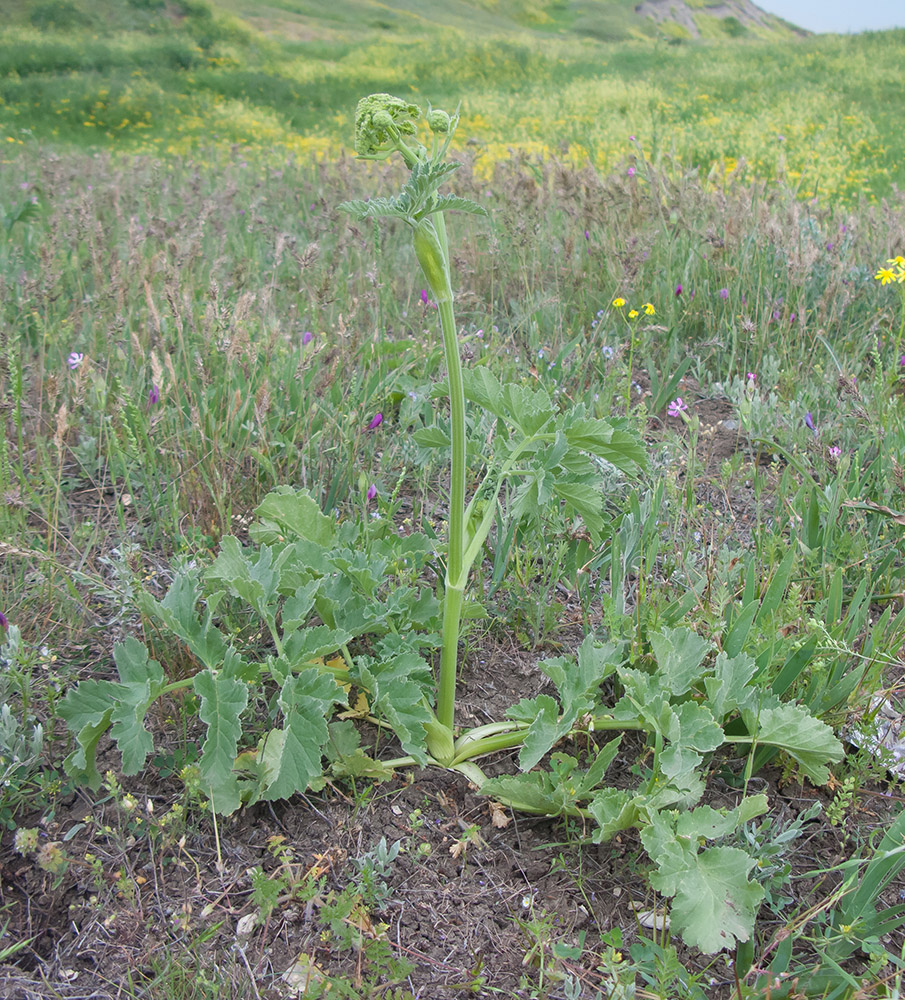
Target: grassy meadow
{"x": 818, "y": 114}
{"x": 684, "y": 238}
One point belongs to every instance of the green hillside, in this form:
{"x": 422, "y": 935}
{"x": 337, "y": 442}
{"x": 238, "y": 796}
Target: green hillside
{"x": 183, "y": 77}
{"x": 301, "y": 20}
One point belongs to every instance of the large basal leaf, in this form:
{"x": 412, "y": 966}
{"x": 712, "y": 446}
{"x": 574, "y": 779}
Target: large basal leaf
{"x": 594, "y": 775}
{"x": 297, "y": 607}
{"x": 715, "y": 902}
{"x": 554, "y": 792}
{"x": 711, "y": 824}
{"x": 307, "y": 644}
{"x": 643, "y": 699}
{"x": 142, "y": 681}
{"x": 614, "y": 809}
{"x": 81, "y": 763}
{"x": 545, "y": 731}
{"x": 286, "y": 514}
{"x": 679, "y": 653}
{"x": 792, "y": 729}
{"x": 249, "y": 574}
{"x": 91, "y": 706}
{"x": 531, "y": 793}
{"x": 728, "y": 689}
{"x": 292, "y": 755}
{"x": 578, "y": 679}
{"x": 178, "y": 613}
{"x": 692, "y": 732}
{"x": 223, "y": 700}
{"x": 87, "y": 703}
{"x": 398, "y": 688}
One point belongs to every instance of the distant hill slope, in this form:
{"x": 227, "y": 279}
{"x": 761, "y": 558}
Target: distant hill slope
{"x": 308, "y": 20}
{"x": 748, "y": 97}
{"x": 604, "y": 20}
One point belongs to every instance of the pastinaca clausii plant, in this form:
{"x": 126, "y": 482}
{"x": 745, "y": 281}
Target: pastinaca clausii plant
{"x": 321, "y": 588}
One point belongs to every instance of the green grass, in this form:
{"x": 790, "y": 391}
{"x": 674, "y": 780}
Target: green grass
{"x": 817, "y": 113}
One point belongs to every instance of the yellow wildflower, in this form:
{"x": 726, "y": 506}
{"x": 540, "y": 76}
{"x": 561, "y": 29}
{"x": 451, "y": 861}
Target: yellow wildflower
{"x": 885, "y": 275}
{"x": 633, "y": 314}
{"x": 898, "y": 261}
{"x": 649, "y": 308}
{"x": 618, "y": 303}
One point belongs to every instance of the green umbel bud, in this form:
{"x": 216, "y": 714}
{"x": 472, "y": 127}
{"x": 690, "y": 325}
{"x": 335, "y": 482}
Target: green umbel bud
{"x": 432, "y": 260}
{"x": 440, "y": 742}
{"x": 380, "y": 120}
{"x": 439, "y": 121}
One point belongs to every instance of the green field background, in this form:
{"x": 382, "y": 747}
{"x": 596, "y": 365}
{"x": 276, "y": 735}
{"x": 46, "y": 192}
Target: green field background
{"x": 821, "y": 114}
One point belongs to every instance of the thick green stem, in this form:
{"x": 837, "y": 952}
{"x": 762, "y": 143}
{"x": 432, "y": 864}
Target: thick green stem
{"x": 454, "y": 565}
{"x": 453, "y": 599}
{"x": 433, "y": 255}
{"x": 490, "y": 744}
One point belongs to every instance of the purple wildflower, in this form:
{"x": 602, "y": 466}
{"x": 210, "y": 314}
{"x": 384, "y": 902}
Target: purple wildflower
{"x": 75, "y": 359}
{"x": 902, "y": 360}
{"x": 724, "y": 293}
{"x": 678, "y": 290}
{"x": 4, "y": 621}
{"x": 587, "y": 234}
{"x": 372, "y": 492}
{"x": 631, "y": 171}
{"x": 376, "y": 421}
{"x": 676, "y": 407}
{"x": 307, "y": 337}
{"x": 809, "y": 423}
{"x": 154, "y": 396}
{"x": 425, "y": 298}
{"x": 835, "y": 452}
{"x": 751, "y": 377}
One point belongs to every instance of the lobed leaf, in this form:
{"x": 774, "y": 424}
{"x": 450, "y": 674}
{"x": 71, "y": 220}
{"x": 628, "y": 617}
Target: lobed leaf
{"x": 249, "y": 574}
{"x": 399, "y": 689}
{"x": 545, "y": 731}
{"x": 728, "y": 689}
{"x": 483, "y": 388}
{"x": 142, "y": 682}
{"x": 715, "y": 902}
{"x": 80, "y": 764}
{"x": 178, "y": 613}
{"x": 680, "y": 653}
{"x": 598, "y": 436}
{"x": 795, "y": 731}
{"x": 292, "y": 755}
{"x": 223, "y": 700}
{"x": 289, "y": 514}
{"x": 587, "y": 502}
